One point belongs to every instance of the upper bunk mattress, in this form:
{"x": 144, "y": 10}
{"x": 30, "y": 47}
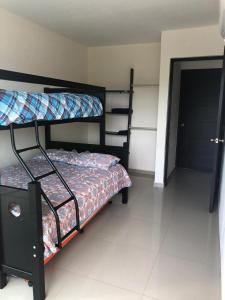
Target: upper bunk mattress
{"x": 22, "y": 107}
{"x": 92, "y": 187}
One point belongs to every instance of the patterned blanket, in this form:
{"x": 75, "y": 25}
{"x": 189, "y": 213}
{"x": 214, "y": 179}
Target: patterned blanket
{"x": 22, "y": 107}
{"x": 93, "y": 188}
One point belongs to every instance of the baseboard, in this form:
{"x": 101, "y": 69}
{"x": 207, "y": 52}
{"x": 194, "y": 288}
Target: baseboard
{"x": 170, "y": 176}
{"x": 159, "y": 185}
{"x": 142, "y": 173}
{"x": 148, "y": 174}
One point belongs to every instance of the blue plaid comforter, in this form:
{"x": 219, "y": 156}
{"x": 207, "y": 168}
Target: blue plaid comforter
{"x": 22, "y": 107}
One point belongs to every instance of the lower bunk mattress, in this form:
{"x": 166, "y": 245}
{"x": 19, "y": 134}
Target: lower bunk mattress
{"x": 92, "y": 187}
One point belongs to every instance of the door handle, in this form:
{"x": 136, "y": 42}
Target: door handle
{"x": 217, "y": 141}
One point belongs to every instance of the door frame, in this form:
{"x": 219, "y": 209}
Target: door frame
{"x": 169, "y": 108}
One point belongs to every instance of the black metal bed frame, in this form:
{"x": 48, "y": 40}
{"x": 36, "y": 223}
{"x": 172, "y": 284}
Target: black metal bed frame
{"x": 55, "y": 171}
{"x": 21, "y": 236}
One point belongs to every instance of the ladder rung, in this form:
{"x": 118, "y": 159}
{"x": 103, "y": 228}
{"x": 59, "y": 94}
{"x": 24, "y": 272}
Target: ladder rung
{"x": 45, "y": 175}
{"x": 28, "y": 148}
{"x": 63, "y": 203}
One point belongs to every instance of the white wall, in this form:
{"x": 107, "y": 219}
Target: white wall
{"x": 202, "y": 41}
{"x": 222, "y": 18}
{"x": 30, "y": 48}
{"x": 109, "y": 66}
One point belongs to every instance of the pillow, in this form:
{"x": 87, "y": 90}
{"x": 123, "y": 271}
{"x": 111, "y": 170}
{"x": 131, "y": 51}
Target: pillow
{"x": 96, "y": 160}
{"x": 60, "y": 155}
{"x": 83, "y": 159}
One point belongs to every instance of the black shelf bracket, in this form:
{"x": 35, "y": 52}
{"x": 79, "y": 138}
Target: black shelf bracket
{"x": 124, "y": 111}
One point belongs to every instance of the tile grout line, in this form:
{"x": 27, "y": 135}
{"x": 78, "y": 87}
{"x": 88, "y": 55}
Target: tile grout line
{"x": 101, "y": 281}
{"x": 157, "y": 256}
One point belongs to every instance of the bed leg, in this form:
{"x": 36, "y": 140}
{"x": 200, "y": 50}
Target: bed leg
{"x": 38, "y": 272}
{"x": 3, "y": 280}
{"x": 39, "y": 284}
{"x": 125, "y": 195}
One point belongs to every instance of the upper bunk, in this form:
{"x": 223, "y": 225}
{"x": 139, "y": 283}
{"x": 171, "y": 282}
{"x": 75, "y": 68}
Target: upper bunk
{"x": 64, "y": 102}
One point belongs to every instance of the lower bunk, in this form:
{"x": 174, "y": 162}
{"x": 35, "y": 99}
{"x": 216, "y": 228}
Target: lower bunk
{"x": 27, "y": 227}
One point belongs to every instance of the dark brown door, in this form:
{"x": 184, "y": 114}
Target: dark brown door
{"x": 198, "y": 116}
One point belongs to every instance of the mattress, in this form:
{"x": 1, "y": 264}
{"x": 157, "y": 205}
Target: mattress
{"x": 92, "y": 187}
{"x": 22, "y": 107}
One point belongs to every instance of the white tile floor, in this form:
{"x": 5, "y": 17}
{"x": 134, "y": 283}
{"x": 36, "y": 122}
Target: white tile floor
{"x": 163, "y": 245}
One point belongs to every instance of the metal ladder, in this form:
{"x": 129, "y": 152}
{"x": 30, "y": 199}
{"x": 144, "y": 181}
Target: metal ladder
{"x": 53, "y": 208}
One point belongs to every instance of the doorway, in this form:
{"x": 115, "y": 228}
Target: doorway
{"x": 195, "y": 85}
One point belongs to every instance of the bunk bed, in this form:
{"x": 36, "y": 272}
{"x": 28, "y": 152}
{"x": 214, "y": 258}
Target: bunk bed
{"x": 46, "y": 201}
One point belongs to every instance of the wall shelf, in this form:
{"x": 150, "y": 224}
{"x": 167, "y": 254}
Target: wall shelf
{"x": 146, "y": 84}
{"x": 120, "y": 132}
{"x": 117, "y": 114}
{"x": 144, "y": 128}
{"x": 118, "y": 91}
{"x": 120, "y": 111}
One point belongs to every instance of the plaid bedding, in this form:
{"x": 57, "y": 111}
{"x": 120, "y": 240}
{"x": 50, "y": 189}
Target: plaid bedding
{"x": 22, "y": 107}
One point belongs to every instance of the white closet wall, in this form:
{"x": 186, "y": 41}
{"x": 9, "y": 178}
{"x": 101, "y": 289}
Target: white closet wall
{"x": 143, "y": 133}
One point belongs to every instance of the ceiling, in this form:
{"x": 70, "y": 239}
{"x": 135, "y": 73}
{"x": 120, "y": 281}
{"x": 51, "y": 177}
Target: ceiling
{"x": 112, "y": 22}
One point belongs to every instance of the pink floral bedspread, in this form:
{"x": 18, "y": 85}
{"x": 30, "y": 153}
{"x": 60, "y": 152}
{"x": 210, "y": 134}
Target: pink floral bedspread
{"x": 92, "y": 187}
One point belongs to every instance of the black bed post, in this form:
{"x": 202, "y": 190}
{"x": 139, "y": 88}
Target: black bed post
{"x": 47, "y": 136}
{"x": 102, "y": 122}
{"x": 22, "y": 246}
{"x": 102, "y": 131}
{"x": 3, "y": 280}
{"x": 125, "y": 195}
{"x": 125, "y": 164}
{"x": 38, "y": 277}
